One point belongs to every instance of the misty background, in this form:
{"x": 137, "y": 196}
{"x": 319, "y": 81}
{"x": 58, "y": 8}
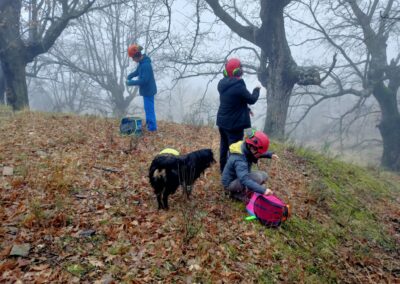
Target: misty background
{"x": 333, "y": 108}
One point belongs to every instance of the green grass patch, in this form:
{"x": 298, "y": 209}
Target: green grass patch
{"x": 350, "y": 198}
{"x": 5, "y": 113}
{"x": 351, "y": 195}
{"x": 76, "y": 269}
{"x": 79, "y": 269}
{"x": 119, "y": 249}
{"x": 308, "y": 242}
{"x": 21, "y": 170}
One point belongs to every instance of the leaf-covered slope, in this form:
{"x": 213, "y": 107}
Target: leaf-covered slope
{"x": 77, "y": 193}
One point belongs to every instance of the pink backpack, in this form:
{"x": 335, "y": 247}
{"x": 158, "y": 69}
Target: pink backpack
{"x": 270, "y": 210}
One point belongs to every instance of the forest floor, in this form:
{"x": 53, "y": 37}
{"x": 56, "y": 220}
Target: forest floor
{"x": 76, "y": 207}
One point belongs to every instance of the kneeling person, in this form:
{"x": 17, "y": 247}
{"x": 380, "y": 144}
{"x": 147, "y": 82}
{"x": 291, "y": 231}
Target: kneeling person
{"x": 237, "y": 177}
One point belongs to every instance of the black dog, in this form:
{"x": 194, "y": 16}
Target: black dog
{"x": 167, "y": 172}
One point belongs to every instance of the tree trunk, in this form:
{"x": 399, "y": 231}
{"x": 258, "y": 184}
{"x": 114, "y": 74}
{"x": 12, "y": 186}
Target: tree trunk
{"x": 389, "y": 127}
{"x": 390, "y": 132}
{"x": 12, "y": 57}
{"x": 16, "y": 92}
{"x": 385, "y": 93}
{"x": 281, "y": 71}
{"x": 16, "y": 52}
{"x": 120, "y": 103}
{"x": 279, "y": 89}
{"x": 276, "y": 113}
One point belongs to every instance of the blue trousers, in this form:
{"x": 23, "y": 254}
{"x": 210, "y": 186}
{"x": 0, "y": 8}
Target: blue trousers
{"x": 150, "y": 113}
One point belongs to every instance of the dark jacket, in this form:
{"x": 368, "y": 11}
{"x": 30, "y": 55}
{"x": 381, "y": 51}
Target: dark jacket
{"x": 239, "y": 166}
{"x": 233, "y": 112}
{"x": 146, "y": 82}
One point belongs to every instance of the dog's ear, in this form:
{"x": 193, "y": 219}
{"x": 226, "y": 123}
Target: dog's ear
{"x": 211, "y": 153}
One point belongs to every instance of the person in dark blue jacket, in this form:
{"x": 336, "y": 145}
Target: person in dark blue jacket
{"x": 233, "y": 113}
{"x": 237, "y": 178}
{"x": 145, "y": 81}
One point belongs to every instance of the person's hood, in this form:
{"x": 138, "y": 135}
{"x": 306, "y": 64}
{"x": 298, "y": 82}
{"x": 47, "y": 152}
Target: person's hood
{"x": 145, "y": 59}
{"x": 236, "y": 148}
{"x": 228, "y": 82}
{"x": 240, "y": 148}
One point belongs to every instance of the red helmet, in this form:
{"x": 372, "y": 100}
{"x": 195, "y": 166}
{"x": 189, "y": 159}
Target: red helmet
{"x": 233, "y": 68}
{"x": 258, "y": 140}
{"x": 134, "y": 50}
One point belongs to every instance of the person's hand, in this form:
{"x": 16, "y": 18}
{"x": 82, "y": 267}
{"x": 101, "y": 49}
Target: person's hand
{"x": 251, "y": 112}
{"x": 268, "y": 192}
{"x": 257, "y": 89}
{"x": 275, "y": 157}
{"x": 129, "y": 82}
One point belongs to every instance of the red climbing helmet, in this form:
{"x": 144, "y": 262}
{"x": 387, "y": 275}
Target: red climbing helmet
{"x": 233, "y": 68}
{"x": 134, "y": 50}
{"x": 258, "y": 140}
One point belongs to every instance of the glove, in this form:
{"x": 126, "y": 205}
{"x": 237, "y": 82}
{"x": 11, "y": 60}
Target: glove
{"x": 256, "y": 89}
{"x": 129, "y": 83}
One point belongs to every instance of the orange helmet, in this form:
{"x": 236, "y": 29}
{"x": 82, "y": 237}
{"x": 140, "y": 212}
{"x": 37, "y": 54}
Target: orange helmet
{"x": 135, "y": 50}
{"x": 233, "y": 68}
{"x": 258, "y": 140}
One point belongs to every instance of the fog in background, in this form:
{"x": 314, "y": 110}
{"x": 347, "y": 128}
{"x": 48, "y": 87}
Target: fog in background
{"x": 63, "y": 80}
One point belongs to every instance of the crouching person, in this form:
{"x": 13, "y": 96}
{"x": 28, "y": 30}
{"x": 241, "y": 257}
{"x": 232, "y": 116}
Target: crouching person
{"x": 237, "y": 178}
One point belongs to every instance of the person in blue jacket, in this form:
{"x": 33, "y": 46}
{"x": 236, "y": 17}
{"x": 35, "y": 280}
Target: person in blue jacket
{"x": 237, "y": 178}
{"x": 233, "y": 113}
{"x": 145, "y": 81}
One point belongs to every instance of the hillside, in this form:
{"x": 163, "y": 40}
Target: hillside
{"x": 75, "y": 199}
